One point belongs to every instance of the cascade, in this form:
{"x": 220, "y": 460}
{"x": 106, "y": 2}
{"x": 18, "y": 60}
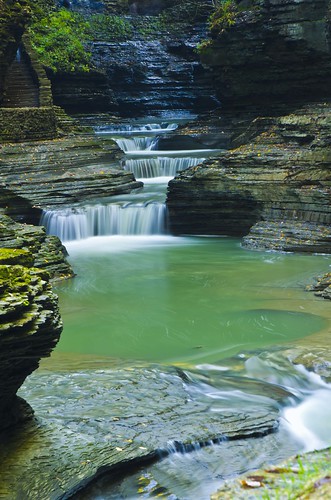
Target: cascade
{"x": 136, "y": 129}
{"x": 144, "y": 216}
{"x": 160, "y": 166}
{"x": 102, "y": 220}
{"x": 136, "y": 143}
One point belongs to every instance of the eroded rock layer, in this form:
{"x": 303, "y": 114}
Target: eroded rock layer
{"x": 282, "y": 177}
{"x": 271, "y": 53}
{"x": 30, "y": 246}
{"x": 65, "y": 172}
{"x": 30, "y": 327}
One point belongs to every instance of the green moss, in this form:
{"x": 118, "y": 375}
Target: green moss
{"x": 16, "y": 256}
{"x": 109, "y": 27}
{"x": 13, "y": 278}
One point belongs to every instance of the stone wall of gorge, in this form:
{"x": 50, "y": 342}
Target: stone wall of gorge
{"x": 271, "y": 66}
{"x": 148, "y": 66}
{"x": 279, "y": 183}
{"x": 274, "y": 52}
{"x": 14, "y": 15}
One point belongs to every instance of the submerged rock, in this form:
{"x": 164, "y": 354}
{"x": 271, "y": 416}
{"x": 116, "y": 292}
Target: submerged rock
{"x": 322, "y": 286}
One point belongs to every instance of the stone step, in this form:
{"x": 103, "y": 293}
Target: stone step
{"x": 21, "y": 89}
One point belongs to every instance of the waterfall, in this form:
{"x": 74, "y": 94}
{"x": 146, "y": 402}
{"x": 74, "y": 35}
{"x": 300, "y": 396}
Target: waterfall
{"x": 18, "y": 56}
{"x": 122, "y": 129}
{"x": 102, "y": 220}
{"x": 144, "y": 168}
{"x": 136, "y": 143}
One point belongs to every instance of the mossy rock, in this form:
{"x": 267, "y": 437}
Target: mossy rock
{"x": 13, "y": 256}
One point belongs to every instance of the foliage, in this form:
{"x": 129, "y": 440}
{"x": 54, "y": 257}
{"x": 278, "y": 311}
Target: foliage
{"x": 109, "y": 27}
{"x": 58, "y": 38}
{"x": 224, "y": 16}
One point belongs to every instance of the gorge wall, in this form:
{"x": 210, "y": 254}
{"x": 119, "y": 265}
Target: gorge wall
{"x": 275, "y": 185}
{"x": 145, "y": 63}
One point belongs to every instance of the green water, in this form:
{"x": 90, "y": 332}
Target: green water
{"x": 168, "y": 299}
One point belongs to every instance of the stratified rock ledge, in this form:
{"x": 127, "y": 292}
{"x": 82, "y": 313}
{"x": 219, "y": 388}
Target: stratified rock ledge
{"x": 30, "y": 327}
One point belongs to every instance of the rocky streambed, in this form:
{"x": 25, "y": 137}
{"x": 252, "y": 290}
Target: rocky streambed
{"x": 99, "y": 429}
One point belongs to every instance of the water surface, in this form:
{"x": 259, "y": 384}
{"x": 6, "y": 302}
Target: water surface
{"x": 168, "y": 299}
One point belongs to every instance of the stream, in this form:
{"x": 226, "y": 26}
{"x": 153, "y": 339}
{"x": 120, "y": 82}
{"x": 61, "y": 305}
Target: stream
{"x": 222, "y": 314}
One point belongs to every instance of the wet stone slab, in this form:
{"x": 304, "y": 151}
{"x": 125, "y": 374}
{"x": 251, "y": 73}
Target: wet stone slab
{"x": 93, "y": 421}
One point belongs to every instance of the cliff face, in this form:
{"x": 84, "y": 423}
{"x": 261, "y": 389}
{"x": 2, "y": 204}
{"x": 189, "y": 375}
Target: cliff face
{"x": 277, "y": 52}
{"x": 272, "y": 58}
{"x": 148, "y": 65}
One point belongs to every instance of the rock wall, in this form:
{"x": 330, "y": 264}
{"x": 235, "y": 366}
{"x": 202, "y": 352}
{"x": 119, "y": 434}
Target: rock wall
{"x": 40, "y": 250}
{"x": 149, "y": 68}
{"x": 65, "y": 172}
{"x": 30, "y": 327}
{"x": 14, "y": 15}
{"x": 282, "y": 178}
{"x": 275, "y": 52}
{"x": 266, "y": 63}
{"x": 27, "y": 124}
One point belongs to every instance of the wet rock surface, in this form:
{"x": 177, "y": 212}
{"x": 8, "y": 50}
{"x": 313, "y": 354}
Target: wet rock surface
{"x": 29, "y": 245}
{"x": 65, "y": 172}
{"x": 96, "y": 426}
{"x": 30, "y": 327}
{"x": 96, "y": 421}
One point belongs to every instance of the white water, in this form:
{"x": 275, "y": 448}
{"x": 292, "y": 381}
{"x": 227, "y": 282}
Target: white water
{"x": 150, "y": 128}
{"x": 102, "y": 220}
{"x": 176, "y": 153}
{"x": 136, "y": 143}
{"x": 159, "y": 167}
{"x": 143, "y": 218}
{"x": 307, "y": 416}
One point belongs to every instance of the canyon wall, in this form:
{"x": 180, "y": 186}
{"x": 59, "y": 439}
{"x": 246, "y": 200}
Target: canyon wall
{"x": 271, "y": 63}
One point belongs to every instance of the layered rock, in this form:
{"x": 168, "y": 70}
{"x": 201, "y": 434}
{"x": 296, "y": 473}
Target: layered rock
{"x": 30, "y": 327}
{"x": 282, "y": 177}
{"x": 155, "y": 75}
{"x": 23, "y": 241}
{"x": 149, "y": 67}
{"x": 149, "y": 413}
{"x": 64, "y": 172}
{"x": 271, "y": 53}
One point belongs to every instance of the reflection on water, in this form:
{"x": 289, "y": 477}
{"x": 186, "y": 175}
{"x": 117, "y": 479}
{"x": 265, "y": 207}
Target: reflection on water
{"x": 183, "y": 299}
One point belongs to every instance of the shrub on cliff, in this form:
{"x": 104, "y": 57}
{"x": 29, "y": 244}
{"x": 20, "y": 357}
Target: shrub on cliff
{"x": 109, "y": 27}
{"x": 59, "y": 39}
{"x": 223, "y": 17}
